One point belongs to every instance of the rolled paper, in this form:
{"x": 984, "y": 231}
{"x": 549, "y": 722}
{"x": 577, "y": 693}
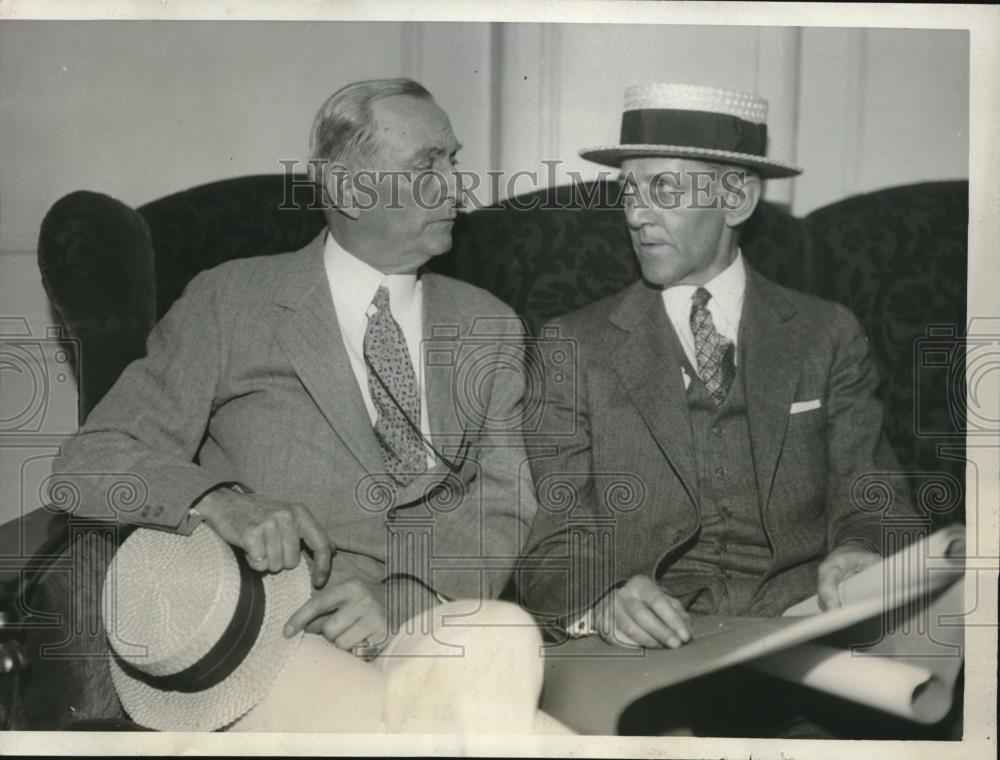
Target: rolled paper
{"x": 894, "y": 686}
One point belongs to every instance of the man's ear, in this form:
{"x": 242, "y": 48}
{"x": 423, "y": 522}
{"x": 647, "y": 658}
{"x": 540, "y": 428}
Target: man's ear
{"x": 741, "y": 192}
{"x": 338, "y": 189}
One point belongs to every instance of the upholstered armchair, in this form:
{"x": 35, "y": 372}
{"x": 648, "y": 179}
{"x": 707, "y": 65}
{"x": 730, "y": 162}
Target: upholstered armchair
{"x": 896, "y": 257}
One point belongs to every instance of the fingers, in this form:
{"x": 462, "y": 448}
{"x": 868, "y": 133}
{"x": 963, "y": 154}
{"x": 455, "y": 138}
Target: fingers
{"x": 256, "y": 549}
{"x": 320, "y": 544}
{"x": 288, "y": 538}
{"x": 659, "y": 622}
{"x": 640, "y": 625}
{"x": 360, "y": 617}
{"x": 674, "y": 619}
{"x": 354, "y": 624}
{"x": 621, "y": 639}
{"x": 316, "y": 625}
{"x": 338, "y": 624}
{"x": 647, "y": 615}
{"x": 321, "y": 603}
{"x": 272, "y": 537}
{"x": 839, "y": 565}
{"x": 828, "y": 587}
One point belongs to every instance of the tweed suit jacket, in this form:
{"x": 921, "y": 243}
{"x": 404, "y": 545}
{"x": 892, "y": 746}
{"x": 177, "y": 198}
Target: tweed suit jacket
{"x": 619, "y": 441}
{"x": 247, "y": 379}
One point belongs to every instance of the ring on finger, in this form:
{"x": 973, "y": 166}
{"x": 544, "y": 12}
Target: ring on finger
{"x": 365, "y": 649}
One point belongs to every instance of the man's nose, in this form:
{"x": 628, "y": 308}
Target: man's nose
{"x": 635, "y": 214}
{"x": 451, "y": 186}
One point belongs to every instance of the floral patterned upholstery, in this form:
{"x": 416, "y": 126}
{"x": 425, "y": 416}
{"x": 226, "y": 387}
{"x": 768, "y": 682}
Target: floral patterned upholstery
{"x": 896, "y": 257}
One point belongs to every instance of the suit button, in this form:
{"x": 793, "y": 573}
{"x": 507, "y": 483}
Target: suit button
{"x": 158, "y": 511}
{"x": 717, "y": 430}
{"x": 720, "y": 472}
{"x": 726, "y": 512}
{"x": 723, "y": 547}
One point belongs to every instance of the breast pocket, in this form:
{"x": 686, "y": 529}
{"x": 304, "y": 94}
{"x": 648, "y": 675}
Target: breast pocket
{"x": 805, "y": 437}
{"x": 808, "y": 420}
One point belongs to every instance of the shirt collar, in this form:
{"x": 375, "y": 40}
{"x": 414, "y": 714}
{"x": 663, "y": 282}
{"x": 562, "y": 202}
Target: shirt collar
{"x": 727, "y": 289}
{"x": 353, "y": 282}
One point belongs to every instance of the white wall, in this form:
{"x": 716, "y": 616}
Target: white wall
{"x": 858, "y": 109}
{"x": 574, "y": 76}
{"x": 142, "y": 109}
{"x": 880, "y": 107}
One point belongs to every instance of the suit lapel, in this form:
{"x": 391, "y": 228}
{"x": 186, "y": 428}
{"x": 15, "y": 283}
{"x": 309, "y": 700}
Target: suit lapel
{"x": 651, "y": 375}
{"x": 441, "y": 355}
{"x": 771, "y": 349}
{"x": 310, "y": 336}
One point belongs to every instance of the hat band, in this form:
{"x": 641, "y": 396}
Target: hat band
{"x": 228, "y": 652}
{"x": 693, "y": 129}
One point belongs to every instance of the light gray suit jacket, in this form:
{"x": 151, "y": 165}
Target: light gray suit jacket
{"x": 247, "y": 379}
{"x": 620, "y": 440}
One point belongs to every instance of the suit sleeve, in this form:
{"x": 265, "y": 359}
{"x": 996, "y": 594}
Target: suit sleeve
{"x": 865, "y": 483}
{"x": 553, "y": 581}
{"x": 498, "y": 504}
{"x": 132, "y": 460}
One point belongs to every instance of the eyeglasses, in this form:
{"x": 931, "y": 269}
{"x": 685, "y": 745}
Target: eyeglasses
{"x": 452, "y": 465}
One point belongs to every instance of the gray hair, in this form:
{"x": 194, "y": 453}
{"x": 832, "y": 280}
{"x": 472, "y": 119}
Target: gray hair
{"x": 345, "y": 126}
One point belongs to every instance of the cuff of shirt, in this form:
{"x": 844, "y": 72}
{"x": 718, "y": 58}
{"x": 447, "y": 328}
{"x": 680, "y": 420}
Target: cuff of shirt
{"x": 583, "y": 626}
{"x": 194, "y": 517}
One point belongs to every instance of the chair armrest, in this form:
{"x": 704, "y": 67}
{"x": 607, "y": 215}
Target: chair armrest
{"x": 53, "y": 633}
{"x": 96, "y": 259}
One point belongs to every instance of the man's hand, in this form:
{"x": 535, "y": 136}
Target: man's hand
{"x": 269, "y": 531}
{"x": 640, "y": 613}
{"x": 839, "y": 565}
{"x": 346, "y": 613}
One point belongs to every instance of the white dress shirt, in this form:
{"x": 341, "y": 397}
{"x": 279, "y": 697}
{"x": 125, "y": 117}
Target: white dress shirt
{"x": 726, "y": 304}
{"x": 353, "y": 285}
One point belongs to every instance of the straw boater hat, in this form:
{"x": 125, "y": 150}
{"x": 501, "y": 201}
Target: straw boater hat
{"x": 196, "y": 633}
{"x": 691, "y": 121}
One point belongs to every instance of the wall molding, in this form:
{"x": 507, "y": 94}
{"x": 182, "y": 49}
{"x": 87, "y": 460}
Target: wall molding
{"x": 856, "y": 114}
{"x": 550, "y": 90}
{"x": 528, "y": 98}
{"x": 412, "y": 50}
{"x": 777, "y": 54}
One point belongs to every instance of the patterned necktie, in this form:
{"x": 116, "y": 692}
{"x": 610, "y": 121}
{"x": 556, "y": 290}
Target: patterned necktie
{"x": 716, "y": 365}
{"x": 393, "y": 387}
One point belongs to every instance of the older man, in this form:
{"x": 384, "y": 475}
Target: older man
{"x": 742, "y": 412}
{"x": 286, "y": 400}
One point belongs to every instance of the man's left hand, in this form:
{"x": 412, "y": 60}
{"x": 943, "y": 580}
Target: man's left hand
{"x": 839, "y": 565}
{"x": 347, "y": 613}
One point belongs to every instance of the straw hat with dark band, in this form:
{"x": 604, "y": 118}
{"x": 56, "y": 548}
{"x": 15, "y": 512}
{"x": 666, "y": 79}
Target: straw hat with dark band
{"x": 196, "y": 633}
{"x": 690, "y": 121}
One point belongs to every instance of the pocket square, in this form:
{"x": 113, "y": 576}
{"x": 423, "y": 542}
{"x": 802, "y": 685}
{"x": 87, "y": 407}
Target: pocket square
{"x": 804, "y": 406}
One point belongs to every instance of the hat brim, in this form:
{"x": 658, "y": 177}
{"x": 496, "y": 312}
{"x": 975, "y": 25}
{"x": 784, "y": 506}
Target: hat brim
{"x": 613, "y": 155}
{"x": 223, "y": 703}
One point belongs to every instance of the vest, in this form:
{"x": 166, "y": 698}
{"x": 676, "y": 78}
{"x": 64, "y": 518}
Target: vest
{"x": 719, "y": 571}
